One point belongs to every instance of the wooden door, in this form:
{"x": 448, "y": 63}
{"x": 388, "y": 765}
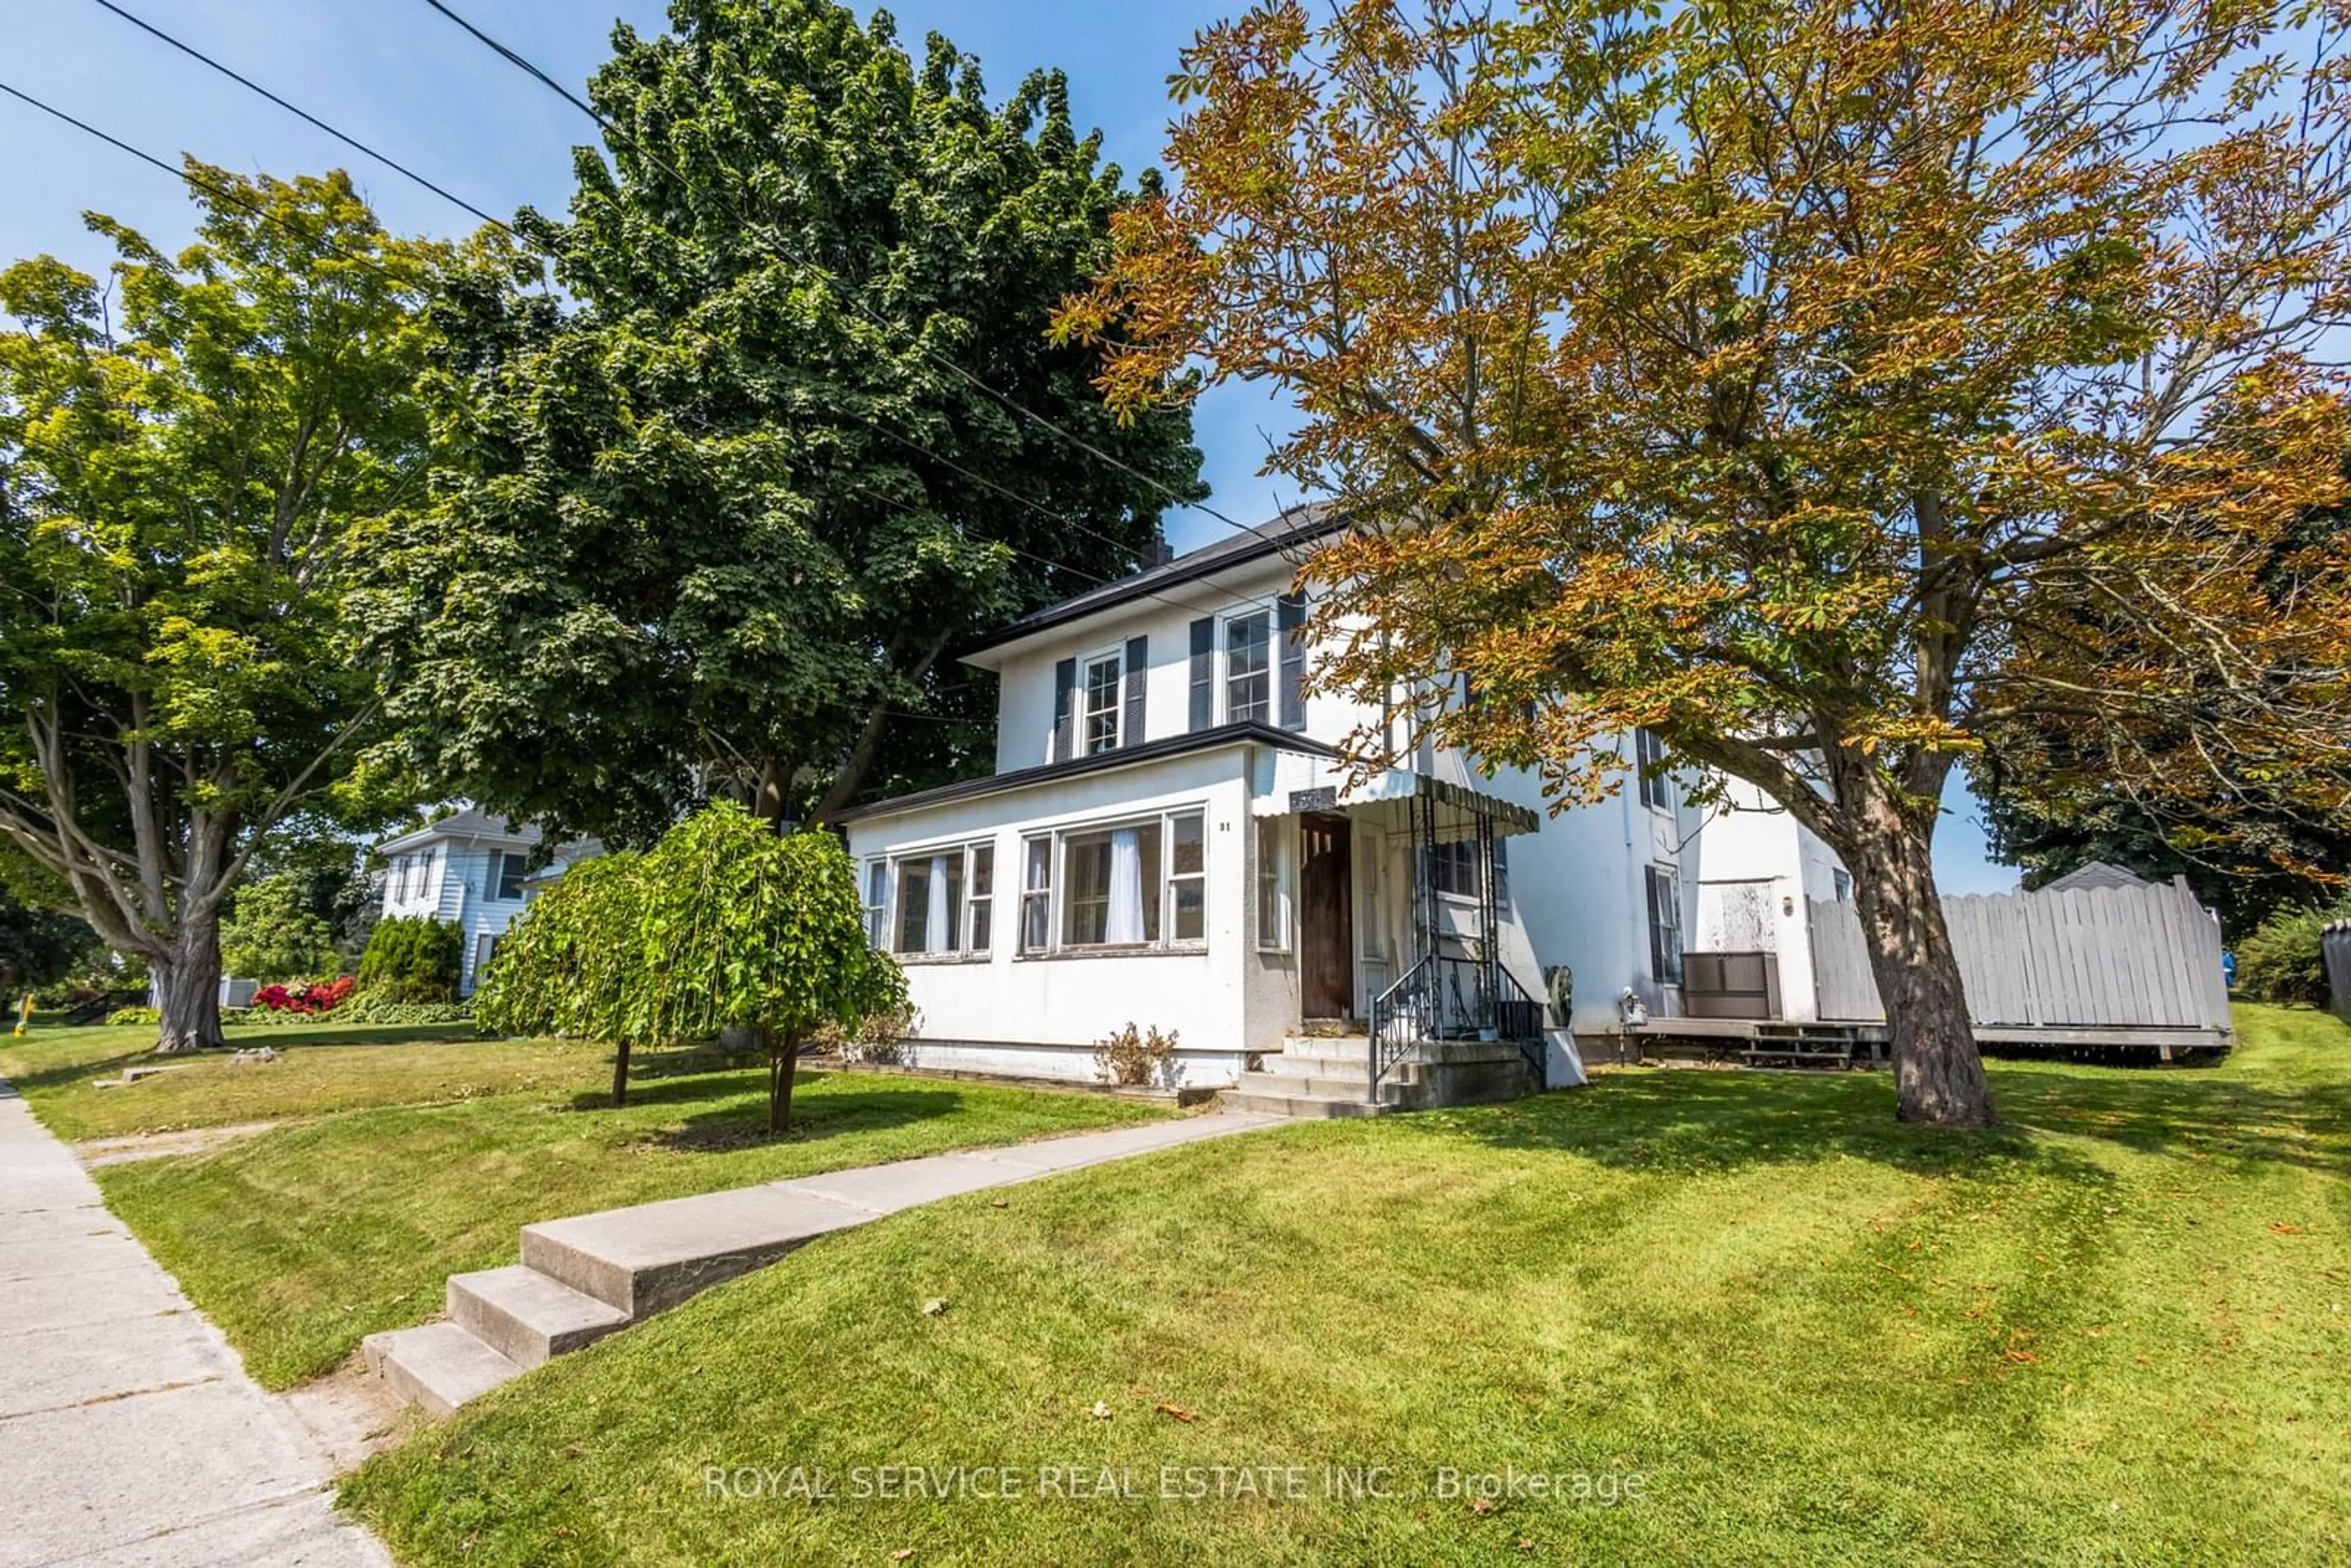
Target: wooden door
{"x": 1326, "y": 938}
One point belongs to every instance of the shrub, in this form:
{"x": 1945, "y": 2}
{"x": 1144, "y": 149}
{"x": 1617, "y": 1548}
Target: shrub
{"x": 2282, "y": 962}
{"x": 1131, "y": 1056}
{"x": 368, "y": 1007}
{"x": 878, "y": 1038}
{"x": 135, "y": 1015}
{"x": 412, "y": 958}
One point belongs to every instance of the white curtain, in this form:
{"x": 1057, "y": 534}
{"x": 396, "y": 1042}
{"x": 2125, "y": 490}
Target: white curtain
{"x": 935, "y": 939}
{"x": 1126, "y": 918}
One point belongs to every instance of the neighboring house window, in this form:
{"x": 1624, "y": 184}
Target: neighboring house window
{"x": 877, "y": 903}
{"x": 411, "y": 876}
{"x": 1249, "y": 668}
{"x": 509, "y": 870}
{"x": 1129, "y": 884}
{"x": 944, "y": 903}
{"x": 1657, "y": 789}
{"x": 1037, "y": 895}
{"x": 1453, "y": 867}
{"x": 1842, "y": 880}
{"x": 1100, "y": 726}
{"x": 1272, "y": 885}
{"x": 1664, "y": 926}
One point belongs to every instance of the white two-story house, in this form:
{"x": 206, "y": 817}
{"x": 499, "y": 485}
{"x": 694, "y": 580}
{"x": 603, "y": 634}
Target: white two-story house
{"x": 474, "y": 871}
{"x": 1170, "y": 838}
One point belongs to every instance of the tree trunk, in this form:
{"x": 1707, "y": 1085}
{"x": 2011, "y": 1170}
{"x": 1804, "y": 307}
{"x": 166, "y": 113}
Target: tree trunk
{"x": 1939, "y": 1076}
{"x": 783, "y": 1062}
{"x": 620, "y": 1073}
{"x": 187, "y": 984}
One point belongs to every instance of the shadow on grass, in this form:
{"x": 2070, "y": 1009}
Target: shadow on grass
{"x": 1694, "y": 1122}
{"x": 75, "y": 1071}
{"x": 813, "y": 1117}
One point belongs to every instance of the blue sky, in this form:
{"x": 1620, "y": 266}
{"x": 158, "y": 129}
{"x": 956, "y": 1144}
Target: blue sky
{"x": 399, "y": 77}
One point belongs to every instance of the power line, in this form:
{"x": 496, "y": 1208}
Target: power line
{"x": 200, "y": 182}
{"x": 344, "y": 137}
{"x": 847, "y": 293}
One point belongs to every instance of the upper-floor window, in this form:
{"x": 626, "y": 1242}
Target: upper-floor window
{"x": 1249, "y": 668}
{"x": 1099, "y": 724}
{"x": 1842, "y": 881}
{"x": 1657, "y": 789}
{"x": 506, "y": 871}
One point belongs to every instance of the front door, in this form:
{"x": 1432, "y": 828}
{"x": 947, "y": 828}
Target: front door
{"x": 1326, "y": 936}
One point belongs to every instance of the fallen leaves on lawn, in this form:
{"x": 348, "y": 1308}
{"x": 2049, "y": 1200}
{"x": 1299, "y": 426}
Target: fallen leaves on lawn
{"x": 936, "y": 1307}
{"x": 1101, "y": 1412}
{"x": 1177, "y": 1411}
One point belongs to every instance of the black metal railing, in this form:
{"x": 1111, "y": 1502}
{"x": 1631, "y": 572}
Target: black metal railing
{"x": 1443, "y": 997}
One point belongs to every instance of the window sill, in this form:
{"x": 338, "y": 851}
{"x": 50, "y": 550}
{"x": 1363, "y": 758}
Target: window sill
{"x": 1124, "y": 950}
{"x": 925, "y": 959}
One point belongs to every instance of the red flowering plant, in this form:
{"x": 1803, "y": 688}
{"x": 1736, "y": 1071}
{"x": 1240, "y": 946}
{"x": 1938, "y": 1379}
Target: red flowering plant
{"x": 305, "y": 996}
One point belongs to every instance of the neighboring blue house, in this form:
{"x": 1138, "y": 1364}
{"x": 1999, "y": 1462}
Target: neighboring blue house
{"x": 472, "y": 871}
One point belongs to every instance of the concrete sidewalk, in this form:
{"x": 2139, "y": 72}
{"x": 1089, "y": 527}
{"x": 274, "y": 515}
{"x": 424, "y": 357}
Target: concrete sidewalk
{"x": 129, "y": 1431}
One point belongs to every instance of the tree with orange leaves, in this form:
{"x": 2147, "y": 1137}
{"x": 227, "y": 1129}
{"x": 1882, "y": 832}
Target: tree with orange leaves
{"x": 1793, "y": 379}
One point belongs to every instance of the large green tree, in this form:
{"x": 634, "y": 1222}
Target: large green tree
{"x": 191, "y": 455}
{"x": 718, "y": 518}
{"x": 1756, "y": 372}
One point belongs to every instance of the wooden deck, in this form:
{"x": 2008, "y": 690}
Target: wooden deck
{"x": 1847, "y": 1043}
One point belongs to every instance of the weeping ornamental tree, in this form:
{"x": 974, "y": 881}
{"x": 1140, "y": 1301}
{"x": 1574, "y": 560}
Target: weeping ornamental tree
{"x": 1788, "y": 378}
{"x": 192, "y": 457}
{"x": 722, "y": 926}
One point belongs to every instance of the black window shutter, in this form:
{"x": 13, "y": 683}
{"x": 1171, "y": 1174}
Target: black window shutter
{"x": 1204, "y": 673}
{"x": 1065, "y": 718}
{"x": 1290, "y": 616}
{"x": 1138, "y": 662}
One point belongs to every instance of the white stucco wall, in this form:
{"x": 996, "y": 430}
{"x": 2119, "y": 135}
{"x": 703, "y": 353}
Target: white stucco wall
{"x": 1759, "y": 858}
{"x": 1010, "y": 1011}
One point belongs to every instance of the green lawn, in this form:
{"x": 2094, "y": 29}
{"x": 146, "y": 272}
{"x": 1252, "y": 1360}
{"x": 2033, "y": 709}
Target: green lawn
{"x": 2119, "y": 1329}
{"x": 327, "y": 1068}
{"x": 410, "y": 1161}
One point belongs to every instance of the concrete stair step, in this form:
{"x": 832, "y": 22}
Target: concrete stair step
{"x": 439, "y": 1366}
{"x": 1293, "y": 1082}
{"x": 648, "y": 1259}
{"x": 1303, "y": 1105}
{"x": 526, "y": 1316}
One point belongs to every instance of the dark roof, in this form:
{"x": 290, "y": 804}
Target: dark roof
{"x": 470, "y": 823}
{"x": 1100, "y": 762}
{"x": 1293, "y": 529}
{"x": 2097, "y": 873}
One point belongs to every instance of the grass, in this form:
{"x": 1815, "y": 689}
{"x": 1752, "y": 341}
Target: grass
{"x": 327, "y": 1068}
{"x": 2113, "y": 1331}
{"x": 407, "y": 1159}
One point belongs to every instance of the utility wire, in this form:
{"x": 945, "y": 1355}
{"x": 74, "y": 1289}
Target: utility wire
{"x": 200, "y": 182}
{"x": 347, "y": 140}
{"x": 847, "y": 293}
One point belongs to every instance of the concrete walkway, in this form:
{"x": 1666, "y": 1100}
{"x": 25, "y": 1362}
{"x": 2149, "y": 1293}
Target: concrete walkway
{"x": 129, "y": 1431}
{"x": 594, "y": 1274}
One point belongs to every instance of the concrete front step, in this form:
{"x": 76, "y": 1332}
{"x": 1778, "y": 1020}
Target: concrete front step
{"x": 439, "y": 1366}
{"x": 1288, "y": 1080}
{"x": 1300, "y": 1105}
{"x": 528, "y": 1317}
{"x": 648, "y": 1259}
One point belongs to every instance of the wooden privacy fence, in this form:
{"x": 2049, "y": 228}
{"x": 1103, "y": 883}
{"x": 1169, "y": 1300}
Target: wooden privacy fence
{"x": 2104, "y": 957}
{"x": 2334, "y": 948}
